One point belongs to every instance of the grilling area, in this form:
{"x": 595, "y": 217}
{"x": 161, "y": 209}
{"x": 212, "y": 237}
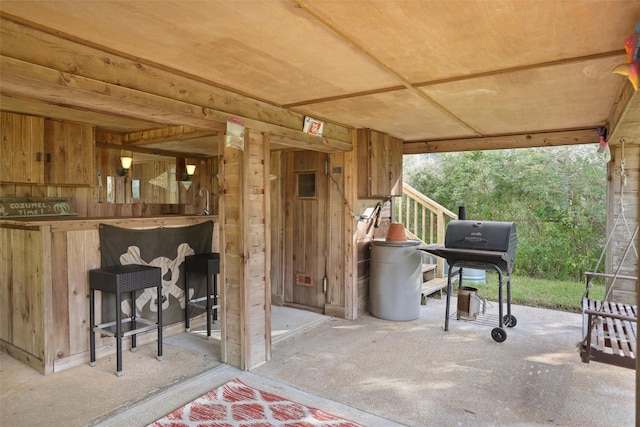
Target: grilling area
{"x": 484, "y": 246}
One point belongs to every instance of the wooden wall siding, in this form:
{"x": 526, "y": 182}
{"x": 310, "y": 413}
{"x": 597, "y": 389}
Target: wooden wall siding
{"x": 75, "y": 162}
{"x": 623, "y": 291}
{"x": 336, "y": 206}
{"x": 350, "y": 192}
{"x": 276, "y": 208}
{"x": 246, "y": 292}
{"x": 22, "y": 304}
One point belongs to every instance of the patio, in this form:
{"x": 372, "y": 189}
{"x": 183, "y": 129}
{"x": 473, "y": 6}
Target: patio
{"x": 372, "y": 371}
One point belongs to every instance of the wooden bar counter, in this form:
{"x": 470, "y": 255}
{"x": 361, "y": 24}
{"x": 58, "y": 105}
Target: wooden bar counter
{"x": 44, "y": 290}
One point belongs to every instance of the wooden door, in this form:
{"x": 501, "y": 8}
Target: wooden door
{"x": 305, "y": 229}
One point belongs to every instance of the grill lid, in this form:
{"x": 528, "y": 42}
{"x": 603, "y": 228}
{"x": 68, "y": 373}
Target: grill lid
{"x": 481, "y": 235}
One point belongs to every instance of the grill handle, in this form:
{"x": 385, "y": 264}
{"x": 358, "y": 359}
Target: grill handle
{"x": 475, "y": 240}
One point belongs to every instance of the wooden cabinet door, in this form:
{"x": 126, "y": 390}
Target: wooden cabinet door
{"x": 22, "y": 156}
{"x": 383, "y": 167}
{"x": 395, "y": 166}
{"x": 70, "y": 147}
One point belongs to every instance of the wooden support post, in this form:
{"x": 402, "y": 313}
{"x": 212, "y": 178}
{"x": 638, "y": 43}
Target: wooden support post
{"x": 244, "y": 233}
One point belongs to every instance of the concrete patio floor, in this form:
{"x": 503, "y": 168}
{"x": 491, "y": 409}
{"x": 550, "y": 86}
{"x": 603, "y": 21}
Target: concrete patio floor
{"x": 372, "y": 371}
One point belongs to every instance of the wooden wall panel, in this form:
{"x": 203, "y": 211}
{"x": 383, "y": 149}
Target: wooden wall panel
{"x": 276, "y": 208}
{"x": 351, "y": 189}
{"x": 6, "y": 288}
{"x": 60, "y": 294}
{"x": 27, "y": 306}
{"x": 81, "y": 257}
{"x": 623, "y": 195}
{"x": 336, "y": 206}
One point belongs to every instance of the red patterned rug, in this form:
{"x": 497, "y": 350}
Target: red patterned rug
{"x": 236, "y": 404}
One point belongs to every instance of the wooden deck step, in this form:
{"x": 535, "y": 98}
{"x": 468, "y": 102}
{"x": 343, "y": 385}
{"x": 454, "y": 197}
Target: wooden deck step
{"x": 434, "y": 285}
{"x": 428, "y": 267}
{"x": 428, "y": 272}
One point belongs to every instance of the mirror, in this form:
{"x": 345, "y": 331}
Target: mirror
{"x": 153, "y": 179}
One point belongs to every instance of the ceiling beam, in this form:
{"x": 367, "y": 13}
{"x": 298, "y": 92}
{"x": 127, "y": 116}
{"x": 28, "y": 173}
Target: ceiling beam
{"x": 624, "y": 119}
{"x": 103, "y": 142}
{"x": 458, "y": 78}
{"x": 323, "y": 146}
{"x": 43, "y": 84}
{"x": 544, "y": 139}
{"x": 170, "y": 133}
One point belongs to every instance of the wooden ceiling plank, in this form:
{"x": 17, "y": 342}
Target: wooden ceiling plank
{"x": 544, "y": 139}
{"x": 497, "y": 72}
{"x": 380, "y": 63}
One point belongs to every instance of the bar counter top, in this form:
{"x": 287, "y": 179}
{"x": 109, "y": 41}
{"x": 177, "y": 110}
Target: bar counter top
{"x": 68, "y": 223}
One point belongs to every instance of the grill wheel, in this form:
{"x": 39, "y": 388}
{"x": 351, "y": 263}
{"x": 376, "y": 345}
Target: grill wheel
{"x": 509, "y": 320}
{"x": 498, "y": 334}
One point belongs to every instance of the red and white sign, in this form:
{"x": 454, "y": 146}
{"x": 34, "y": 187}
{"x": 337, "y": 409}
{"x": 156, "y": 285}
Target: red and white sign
{"x": 313, "y": 126}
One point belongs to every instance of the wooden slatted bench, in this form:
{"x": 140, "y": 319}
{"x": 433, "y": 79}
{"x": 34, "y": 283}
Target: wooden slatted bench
{"x": 609, "y": 329}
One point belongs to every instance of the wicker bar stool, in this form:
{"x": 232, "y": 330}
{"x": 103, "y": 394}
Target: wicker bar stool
{"x": 124, "y": 281}
{"x": 208, "y": 264}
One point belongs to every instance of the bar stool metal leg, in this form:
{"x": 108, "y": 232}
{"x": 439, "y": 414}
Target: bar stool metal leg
{"x": 208, "y": 302}
{"x": 159, "y": 296}
{"x": 187, "y": 303}
{"x": 92, "y": 324}
{"x": 215, "y": 297}
{"x": 133, "y": 321}
{"x": 118, "y": 334}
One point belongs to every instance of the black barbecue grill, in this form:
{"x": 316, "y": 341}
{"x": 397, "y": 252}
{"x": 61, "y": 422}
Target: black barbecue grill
{"x": 482, "y": 245}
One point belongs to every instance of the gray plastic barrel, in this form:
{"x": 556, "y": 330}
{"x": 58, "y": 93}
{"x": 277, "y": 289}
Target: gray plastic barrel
{"x": 471, "y": 276}
{"x": 395, "y": 280}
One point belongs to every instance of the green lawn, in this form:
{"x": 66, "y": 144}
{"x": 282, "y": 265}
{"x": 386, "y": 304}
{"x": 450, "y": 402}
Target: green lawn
{"x": 553, "y": 294}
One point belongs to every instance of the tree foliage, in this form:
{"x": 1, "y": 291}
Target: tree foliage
{"x": 555, "y": 195}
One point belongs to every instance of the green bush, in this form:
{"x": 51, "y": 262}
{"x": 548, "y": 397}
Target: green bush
{"x": 555, "y": 195}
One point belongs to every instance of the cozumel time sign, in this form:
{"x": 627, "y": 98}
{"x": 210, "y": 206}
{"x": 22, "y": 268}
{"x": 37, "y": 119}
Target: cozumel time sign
{"x": 26, "y": 207}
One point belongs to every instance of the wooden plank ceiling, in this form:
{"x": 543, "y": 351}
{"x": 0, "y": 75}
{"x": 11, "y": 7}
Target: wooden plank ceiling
{"x": 440, "y": 75}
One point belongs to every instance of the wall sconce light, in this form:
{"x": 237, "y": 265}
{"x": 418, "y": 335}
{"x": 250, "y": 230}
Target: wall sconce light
{"x": 125, "y": 165}
{"x": 190, "y": 170}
